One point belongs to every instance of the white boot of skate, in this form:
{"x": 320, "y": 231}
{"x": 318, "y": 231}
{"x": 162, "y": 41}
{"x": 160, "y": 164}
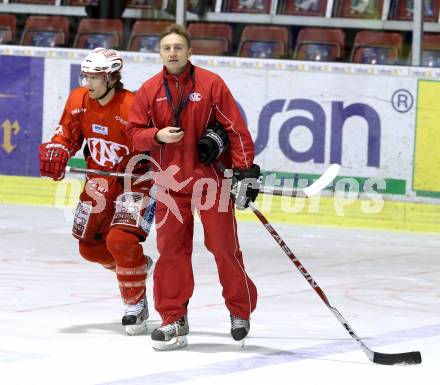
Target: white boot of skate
{"x": 171, "y": 336}
{"x": 135, "y": 318}
{"x": 239, "y": 329}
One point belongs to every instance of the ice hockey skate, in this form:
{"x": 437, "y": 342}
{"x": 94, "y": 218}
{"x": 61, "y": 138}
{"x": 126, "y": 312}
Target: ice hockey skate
{"x": 150, "y": 264}
{"x": 135, "y": 316}
{"x": 239, "y": 329}
{"x": 171, "y": 336}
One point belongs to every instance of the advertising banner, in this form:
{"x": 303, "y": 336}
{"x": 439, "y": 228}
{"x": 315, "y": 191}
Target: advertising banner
{"x": 303, "y": 116}
{"x": 426, "y": 180}
{"x": 21, "y": 114}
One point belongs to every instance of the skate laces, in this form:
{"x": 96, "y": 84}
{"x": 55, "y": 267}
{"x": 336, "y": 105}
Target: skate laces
{"x": 135, "y": 309}
{"x": 237, "y": 323}
{"x": 173, "y": 327}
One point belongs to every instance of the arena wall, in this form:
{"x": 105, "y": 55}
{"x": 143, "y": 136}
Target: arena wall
{"x": 380, "y": 123}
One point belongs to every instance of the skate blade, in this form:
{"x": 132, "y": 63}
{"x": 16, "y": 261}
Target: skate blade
{"x": 150, "y": 269}
{"x": 173, "y": 344}
{"x": 242, "y": 342}
{"x": 133, "y": 330}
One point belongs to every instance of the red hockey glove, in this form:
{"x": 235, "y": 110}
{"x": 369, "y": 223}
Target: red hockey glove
{"x": 245, "y": 186}
{"x": 53, "y": 160}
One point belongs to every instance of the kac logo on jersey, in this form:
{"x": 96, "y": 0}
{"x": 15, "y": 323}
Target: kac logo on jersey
{"x": 96, "y": 128}
{"x": 195, "y": 97}
{"x": 106, "y": 153}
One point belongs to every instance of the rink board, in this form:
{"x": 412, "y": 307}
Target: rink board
{"x": 375, "y": 121}
{"x": 325, "y": 210}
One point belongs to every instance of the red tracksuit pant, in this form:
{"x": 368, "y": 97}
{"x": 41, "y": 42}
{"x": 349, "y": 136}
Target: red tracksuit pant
{"x": 173, "y": 275}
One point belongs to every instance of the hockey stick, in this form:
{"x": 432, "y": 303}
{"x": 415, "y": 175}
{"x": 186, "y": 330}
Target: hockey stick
{"x": 284, "y": 191}
{"x": 78, "y": 170}
{"x": 264, "y": 190}
{"x": 409, "y": 358}
{"x": 307, "y": 192}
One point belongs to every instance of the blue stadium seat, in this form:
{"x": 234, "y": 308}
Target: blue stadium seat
{"x": 247, "y": 6}
{"x": 403, "y": 9}
{"x": 96, "y": 40}
{"x": 260, "y": 49}
{"x": 145, "y": 34}
{"x": 149, "y": 44}
{"x": 8, "y": 27}
{"x": 92, "y": 33}
{"x": 365, "y": 9}
{"x": 304, "y": 7}
{"x": 431, "y": 50}
{"x": 373, "y": 47}
{"x": 264, "y": 41}
{"x": 320, "y": 44}
{"x": 430, "y": 58}
{"x": 46, "y": 31}
{"x": 210, "y": 38}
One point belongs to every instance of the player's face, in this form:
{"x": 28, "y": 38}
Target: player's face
{"x": 174, "y": 52}
{"x": 95, "y": 83}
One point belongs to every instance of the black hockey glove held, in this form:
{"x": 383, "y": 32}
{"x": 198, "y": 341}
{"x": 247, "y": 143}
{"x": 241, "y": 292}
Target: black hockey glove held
{"x": 212, "y": 143}
{"x": 245, "y": 186}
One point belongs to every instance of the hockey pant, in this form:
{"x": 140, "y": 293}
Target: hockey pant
{"x": 173, "y": 275}
{"x": 110, "y": 235}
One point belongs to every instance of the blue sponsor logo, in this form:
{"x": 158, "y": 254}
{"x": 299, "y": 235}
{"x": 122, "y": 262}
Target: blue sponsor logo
{"x": 316, "y": 123}
{"x": 98, "y": 129}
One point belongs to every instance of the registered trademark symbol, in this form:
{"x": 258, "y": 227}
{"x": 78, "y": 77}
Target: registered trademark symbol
{"x": 402, "y": 100}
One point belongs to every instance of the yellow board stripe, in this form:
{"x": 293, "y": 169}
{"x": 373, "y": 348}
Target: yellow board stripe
{"x": 39, "y": 191}
{"x": 405, "y": 216}
{"x": 427, "y": 145}
{"x": 401, "y": 216}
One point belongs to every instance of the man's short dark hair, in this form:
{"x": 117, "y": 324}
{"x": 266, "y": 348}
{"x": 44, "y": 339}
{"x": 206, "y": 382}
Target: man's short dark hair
{"x": 177, "y": 29}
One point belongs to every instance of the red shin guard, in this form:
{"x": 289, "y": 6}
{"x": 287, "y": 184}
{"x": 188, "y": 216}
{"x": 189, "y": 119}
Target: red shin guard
{"x": 131, "y": 264}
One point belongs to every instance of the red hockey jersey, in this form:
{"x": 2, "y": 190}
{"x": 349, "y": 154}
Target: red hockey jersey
{"x": 103, "y": 127}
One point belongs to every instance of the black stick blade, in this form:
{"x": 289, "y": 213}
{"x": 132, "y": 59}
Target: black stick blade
{"x": 409, "y": 358}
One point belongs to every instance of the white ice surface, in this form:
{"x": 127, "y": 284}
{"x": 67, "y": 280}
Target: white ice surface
{"x": 60, "y": 315}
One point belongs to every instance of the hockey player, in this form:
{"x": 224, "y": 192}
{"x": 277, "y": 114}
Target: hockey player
{"x": 109, "y": 223}
{"x": 169, "y": 115}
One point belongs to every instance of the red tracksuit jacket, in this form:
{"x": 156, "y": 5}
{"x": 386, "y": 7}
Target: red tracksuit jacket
{"x": 208, "y": 99}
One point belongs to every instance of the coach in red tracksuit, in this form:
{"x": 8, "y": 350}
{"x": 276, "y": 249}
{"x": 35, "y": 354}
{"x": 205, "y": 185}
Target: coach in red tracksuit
{"x": 170, "y": 113}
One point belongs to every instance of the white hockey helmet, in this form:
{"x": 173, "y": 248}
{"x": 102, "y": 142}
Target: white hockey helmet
{"x": 102, "y": 61}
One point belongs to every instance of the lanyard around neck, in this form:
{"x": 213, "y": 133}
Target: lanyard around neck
{"x": 182, "y": 103}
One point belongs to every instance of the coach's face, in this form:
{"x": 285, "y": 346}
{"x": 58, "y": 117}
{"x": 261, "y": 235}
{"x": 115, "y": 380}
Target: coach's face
{"x": 174, "y": 52}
